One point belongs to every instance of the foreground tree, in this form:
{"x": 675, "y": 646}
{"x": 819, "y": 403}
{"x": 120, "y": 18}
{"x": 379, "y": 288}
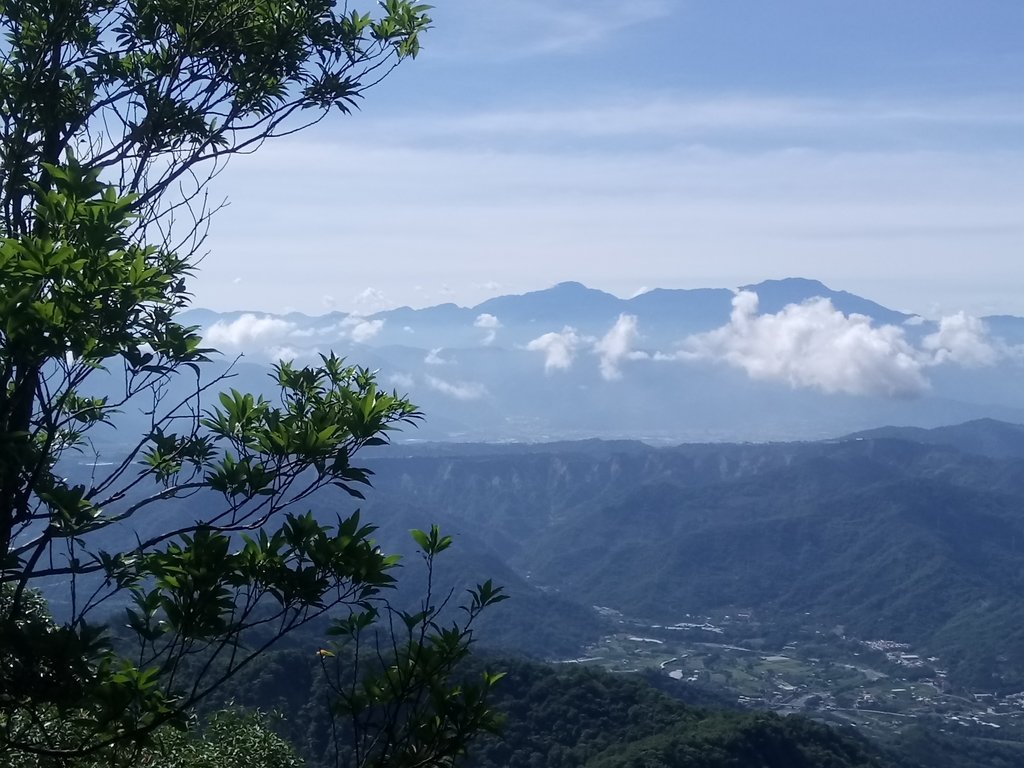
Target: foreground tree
{"x": 158, "y": 94}
{"x": 227, "y": 740}
{"x": 114, "y": 115}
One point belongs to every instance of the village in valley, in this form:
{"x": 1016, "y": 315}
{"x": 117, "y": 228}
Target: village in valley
{"x": 875, "y": 684}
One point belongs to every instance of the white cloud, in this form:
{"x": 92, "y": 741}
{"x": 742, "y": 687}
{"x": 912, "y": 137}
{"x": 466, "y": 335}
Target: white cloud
{"x": 364, "y": 330}
{"x": 248, "y": 331}
{"x": 370, "y": 300}
{"x": 401, "y": 380}
{"x": 463, "y": 390}
{"x": 714, "y": 119}
{"x": 489, "y": 323}
{"x": 573, "y": 25}
{"x": 559, "y": 348}
{"x": 291, "y": 354}
{"x": 278, "y": 338}
{"x": 617, "y": 345}
{"x": 517, "y": 29}
{"x": 816, "y": 346}
{"x": 434, "y": 357}
{"x": 961, "y": 339}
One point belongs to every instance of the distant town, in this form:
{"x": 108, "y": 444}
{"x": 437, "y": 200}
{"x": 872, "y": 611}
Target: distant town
{"x": 874, "y": 685}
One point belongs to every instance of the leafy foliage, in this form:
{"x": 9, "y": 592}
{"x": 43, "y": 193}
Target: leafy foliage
{"x": 229, "y": 740}
{"x": 406, "y": 707}
{"x": 396, "y": 682}
{"x": 114, "y": 116}
{"x": 148, "y": 92}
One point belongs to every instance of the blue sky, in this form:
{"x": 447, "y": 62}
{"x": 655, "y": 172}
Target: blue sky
{"x": 877, "y": 146}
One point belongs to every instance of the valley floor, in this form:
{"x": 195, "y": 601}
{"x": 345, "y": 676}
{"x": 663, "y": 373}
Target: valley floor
{"x": 878, "y": 685}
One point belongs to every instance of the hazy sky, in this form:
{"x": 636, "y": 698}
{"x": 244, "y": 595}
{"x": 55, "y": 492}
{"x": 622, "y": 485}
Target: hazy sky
{"x": 875, "y": 145}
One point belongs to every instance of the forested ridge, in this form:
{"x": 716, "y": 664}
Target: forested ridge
{"x": 570, "y": 716}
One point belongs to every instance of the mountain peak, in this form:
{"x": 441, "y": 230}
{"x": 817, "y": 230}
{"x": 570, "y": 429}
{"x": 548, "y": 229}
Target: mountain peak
{"x": 773, "y": 295}
{"x": 795, "y": 284}
{"x": 568, "y": 302}
{"x": 570, "y": 285}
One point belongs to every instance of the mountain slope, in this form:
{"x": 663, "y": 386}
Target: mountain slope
{"x": 985, "y": 437}
{"x": 887, "y": 538}
{"x": 575, "y": 717}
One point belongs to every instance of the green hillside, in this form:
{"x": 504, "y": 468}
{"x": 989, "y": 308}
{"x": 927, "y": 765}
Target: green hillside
{"x": 885, "y": 538}
{"x": 570, "y": 717}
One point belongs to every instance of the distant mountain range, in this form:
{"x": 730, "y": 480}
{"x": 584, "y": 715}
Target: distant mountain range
{"x": 798, "y": 361}
{"x": 983, "y": 437}
{"x": 667, "y": 314}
